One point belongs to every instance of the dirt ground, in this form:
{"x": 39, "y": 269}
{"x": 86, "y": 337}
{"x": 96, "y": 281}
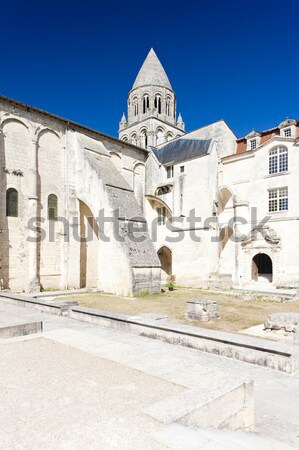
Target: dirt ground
{"x": 235, "y": 312}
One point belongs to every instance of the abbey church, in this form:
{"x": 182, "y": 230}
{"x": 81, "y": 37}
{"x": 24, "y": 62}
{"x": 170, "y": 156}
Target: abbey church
{"x": 81, "y": 209}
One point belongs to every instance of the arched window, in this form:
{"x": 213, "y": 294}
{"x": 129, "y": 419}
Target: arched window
{"x": 12, "y": 202}
{"x": 160, "y": 136}
{"x": 278, "y": 160}
{"x": 52, "y": 207}
{"x": 145, "y": 103}
{"x": 135, "y": 105}
{"x": 144, "y": 140}
{"x": 158, "y": 103}
{"x": 168, "y": 106}
{"x": 134, "y": 139}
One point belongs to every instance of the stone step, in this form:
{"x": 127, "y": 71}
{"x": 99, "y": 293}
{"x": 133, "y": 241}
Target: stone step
{"x": 207, "y": 405}
{"x": 12, "y": 325}
{"x": 178, "y": 437}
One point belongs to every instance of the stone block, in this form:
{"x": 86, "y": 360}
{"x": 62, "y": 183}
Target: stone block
{"x": 203, "y": 310}
{"x": 282, "y": 321}
{"x": 21, "y": 329}
{"x": 226, "y": 402}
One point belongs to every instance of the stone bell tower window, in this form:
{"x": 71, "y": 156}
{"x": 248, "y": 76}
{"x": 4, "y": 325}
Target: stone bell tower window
{"x": 168, "y": 106}
{"x": 145, "y": 104}
{"x": 135, "y": 106}
{"x": 158, "y": 103}
{"x": 144, "y": 139}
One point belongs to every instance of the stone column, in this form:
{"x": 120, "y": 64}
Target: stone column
{"x": 236, "y": 279}
{"x": 151, "y": 139}
{"x": 4, "y": 244}
{"x": 34, "y": 284}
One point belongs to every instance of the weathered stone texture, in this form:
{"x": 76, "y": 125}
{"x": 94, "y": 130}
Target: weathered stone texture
{"x": 282, "y": 321}
{"x": 203, "y": 310}
{"x": 43, "y": 155}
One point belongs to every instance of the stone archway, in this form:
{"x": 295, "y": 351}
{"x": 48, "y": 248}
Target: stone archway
{"x": 262, "y": 268}
{"x": 89, "y": 247}
{"x": 225, "y": 199}
{"x": 224, "y": 236}
{"x": 165, "y": 257}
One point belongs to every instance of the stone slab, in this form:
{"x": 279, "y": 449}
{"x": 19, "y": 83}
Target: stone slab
{"x": 20, "y": 330}
{"x": 210, "y": 404}
{"x": 177, "y": 437}
{"x": 12, "y": 325}
{"x": 151, "y": 317}
{"x": 282, "y": 321}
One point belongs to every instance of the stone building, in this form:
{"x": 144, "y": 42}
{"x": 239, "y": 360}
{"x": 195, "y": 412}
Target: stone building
{"x": 151, "y": 108}
{"x": 243, "y": 190}
{"x": 258, "y": 183}
{"x": 57, "y": 178}
{"x": 79, "y": 208}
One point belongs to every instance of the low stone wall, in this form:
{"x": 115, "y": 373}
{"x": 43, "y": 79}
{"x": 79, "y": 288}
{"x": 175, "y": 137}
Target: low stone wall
{"x": 220, "y": 281}
{"x": 244, "y": 348}
{"x": 247, "y": 349}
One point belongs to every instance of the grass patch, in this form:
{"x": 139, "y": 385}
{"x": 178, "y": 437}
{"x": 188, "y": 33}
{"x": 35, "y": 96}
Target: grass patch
{"x": 235, "y": 313}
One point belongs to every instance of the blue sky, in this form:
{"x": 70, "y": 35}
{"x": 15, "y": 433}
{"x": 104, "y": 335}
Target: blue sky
{"x": 231, "y": 60}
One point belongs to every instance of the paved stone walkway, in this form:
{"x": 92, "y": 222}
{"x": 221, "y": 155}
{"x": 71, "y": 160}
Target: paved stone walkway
{"x": 276, "y": 393}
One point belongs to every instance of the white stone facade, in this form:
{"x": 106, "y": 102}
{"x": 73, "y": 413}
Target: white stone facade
{"x": 151, "y": 108}
{"x": 85, "y": 172}
{"x": 227, "y": 183}
{"x": 220, "y": 210}
{"x": 246, "y": 179}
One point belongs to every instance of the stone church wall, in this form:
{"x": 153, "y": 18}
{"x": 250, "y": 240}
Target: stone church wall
{"x": 42, "y": 155}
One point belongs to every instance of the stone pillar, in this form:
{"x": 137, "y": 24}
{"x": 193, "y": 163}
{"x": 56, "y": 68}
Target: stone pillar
{"x": 34, "y": 284}
{"x": 236, "y": 277}
{"x": 65, "y": 234}
{"x": 151, "y": 141}
{"x": 4, "y": 243}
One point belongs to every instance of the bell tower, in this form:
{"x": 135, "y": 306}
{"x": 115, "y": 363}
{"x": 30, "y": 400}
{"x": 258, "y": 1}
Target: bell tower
{"x": 151, "y": 108}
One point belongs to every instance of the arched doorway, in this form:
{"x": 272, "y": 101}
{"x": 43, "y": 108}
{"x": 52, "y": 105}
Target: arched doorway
{"x": 165, "y": 256}
{"x": 262, "y": 268}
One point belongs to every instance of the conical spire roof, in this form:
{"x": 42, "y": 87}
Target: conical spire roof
{"x": 123, "y": 119}
{"x": 152, "y": 72}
